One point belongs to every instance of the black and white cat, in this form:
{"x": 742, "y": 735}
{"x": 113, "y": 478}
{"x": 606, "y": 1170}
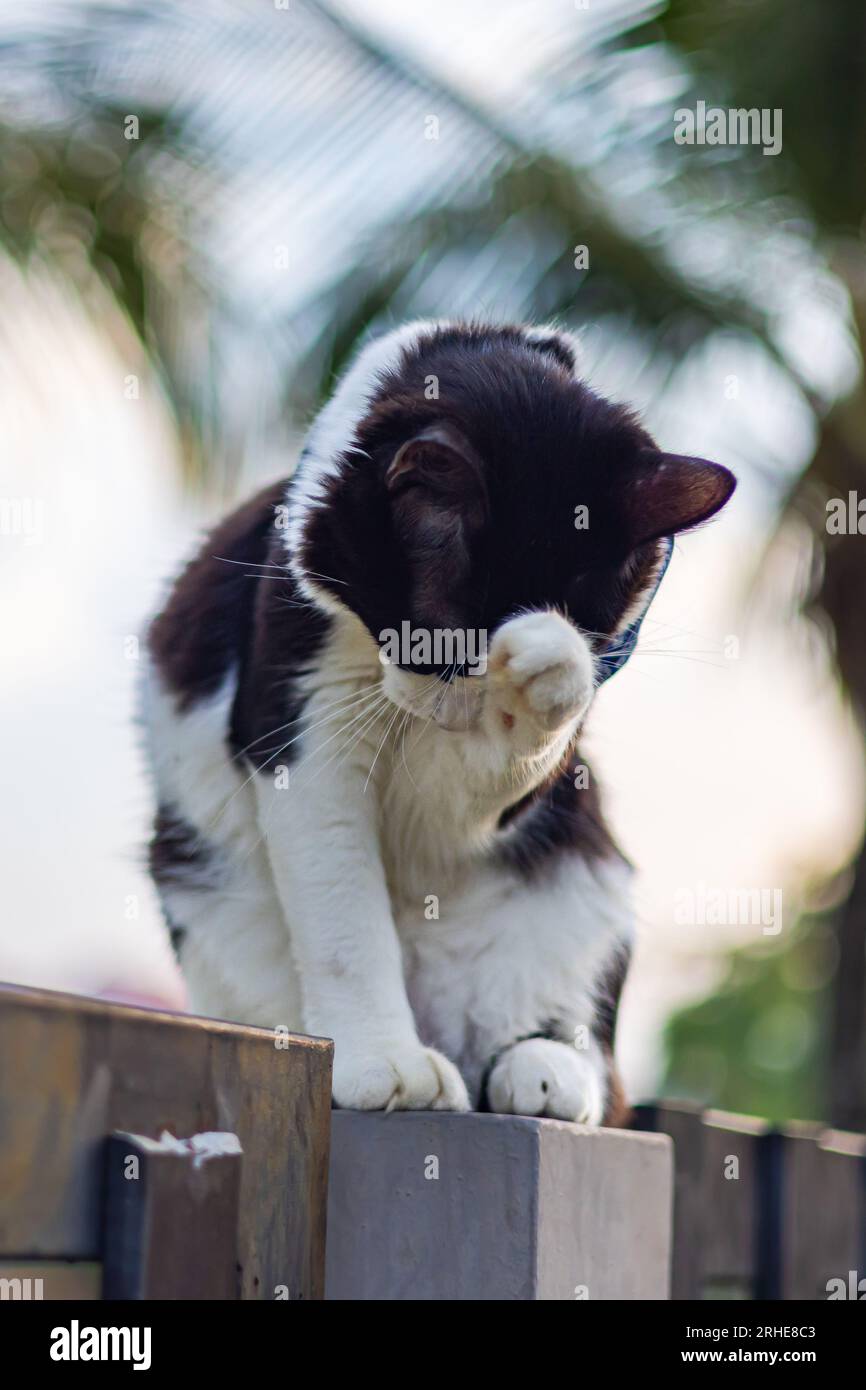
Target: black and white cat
{"x": 401, "y": 854}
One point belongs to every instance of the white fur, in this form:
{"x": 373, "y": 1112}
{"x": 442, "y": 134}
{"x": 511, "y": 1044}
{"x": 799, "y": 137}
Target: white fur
{"x": 541, "y": 1077}
{"x": 361, "y": 901}
{"x": 543, "y": 332}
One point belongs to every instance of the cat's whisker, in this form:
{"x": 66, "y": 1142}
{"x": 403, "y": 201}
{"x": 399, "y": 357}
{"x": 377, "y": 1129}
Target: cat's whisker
{"x": 412, "y": 717}
{"x": 716, "y": 653}
{"x": 308, "y": 758}
{"x": 720, "y": 665}
{"x": 268, "y": 759}
{"x": 252, "y": 564}
{"x": 428, "y": 721}
{"x": 299, "y": 785}
{"x": 396, "y": 715}
{"x": 347, "y": 748}
{"x": 649, "y": 650}
{"x": 433, "y": 712}
{"x": 403, "y": 729}
{"x": 347, "y": 700}
{"x": 446, "y": 687}
{"x": 278, "y": 579}
{"x": 362, "y": 714}
{"x": 329, "y": 578}
{"x": 371, "y": 702}
{"x": 676, "y": 628}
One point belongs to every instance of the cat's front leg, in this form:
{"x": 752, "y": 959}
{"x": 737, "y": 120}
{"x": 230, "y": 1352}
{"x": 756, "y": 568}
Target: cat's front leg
{"x": 324, "y": 853}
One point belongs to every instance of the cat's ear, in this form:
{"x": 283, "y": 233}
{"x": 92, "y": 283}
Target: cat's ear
{"x": 438, "y": 497}
{"x": 435, "y": 479}
{"x": 673, "y": 492}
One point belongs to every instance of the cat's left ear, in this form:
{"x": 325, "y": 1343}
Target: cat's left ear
{"x": 438, "y": 498}
{"x": 673, "y": 492}
{"x": 435, "y": 480}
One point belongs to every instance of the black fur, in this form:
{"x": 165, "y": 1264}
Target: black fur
{"x": 557, "y": 816}
{"x": 546, "y": 444}
{"x": 178, "y": 854}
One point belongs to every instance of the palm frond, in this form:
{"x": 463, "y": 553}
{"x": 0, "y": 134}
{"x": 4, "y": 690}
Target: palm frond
{"x": 282, "y": 197}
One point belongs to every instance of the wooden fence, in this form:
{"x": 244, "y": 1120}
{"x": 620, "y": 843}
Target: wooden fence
{"x": 761, "y": 1212}
{"x": 147, "y": 1155}
{"x": 91, "y": 1206}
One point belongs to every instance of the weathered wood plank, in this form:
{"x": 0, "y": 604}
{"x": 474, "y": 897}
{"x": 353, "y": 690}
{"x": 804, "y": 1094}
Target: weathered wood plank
{"x": 823, "y": 1212}
{"x": 684, "y": 1125}
{"x": 737, "y": 1201}
{"x": 171, "y": 1218}
{"x": 72, "y": 1070}
{"x": 727, "y": 1206}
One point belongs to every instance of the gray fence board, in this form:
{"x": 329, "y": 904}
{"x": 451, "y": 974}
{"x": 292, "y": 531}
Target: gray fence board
{"x": 495, "y": 1207}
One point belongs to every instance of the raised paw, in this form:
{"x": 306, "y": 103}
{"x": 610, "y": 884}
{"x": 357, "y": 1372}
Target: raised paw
{"x": 544, "y": 1077}
{"x": 407, "y": 1077}
{"x": 540, "y": 667}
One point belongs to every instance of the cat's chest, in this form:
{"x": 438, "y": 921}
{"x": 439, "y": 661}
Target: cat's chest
{"x": 430, "y": 841}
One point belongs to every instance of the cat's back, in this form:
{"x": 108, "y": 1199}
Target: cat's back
{"x": 201, "y": 633}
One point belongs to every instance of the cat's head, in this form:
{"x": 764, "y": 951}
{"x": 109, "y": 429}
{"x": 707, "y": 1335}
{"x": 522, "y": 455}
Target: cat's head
{"x": 462, "y": 474}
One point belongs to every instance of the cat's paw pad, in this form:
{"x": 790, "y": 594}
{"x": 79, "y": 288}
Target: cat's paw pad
{"x": 410, "y": 1077}
{"x": 541, "y": 664}
{"x": 544, "y": 1077}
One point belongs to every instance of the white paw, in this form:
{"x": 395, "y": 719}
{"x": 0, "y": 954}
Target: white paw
{"x": 543, "y": 1077}
{"x": 541, "y": 665}
{"x": 408, "y": 1077}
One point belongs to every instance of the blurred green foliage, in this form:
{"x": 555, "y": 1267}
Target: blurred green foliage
{"x": 759, "y": 1044}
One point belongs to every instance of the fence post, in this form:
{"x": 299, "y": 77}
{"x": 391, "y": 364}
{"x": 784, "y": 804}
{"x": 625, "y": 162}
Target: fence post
{"x": 437, "y": 1206}
{"x": 727, "y": 1211}
{"x": 171, "y": 1217}
{"x": 823, "y": 1214}
{"x": 684, "y": 1126}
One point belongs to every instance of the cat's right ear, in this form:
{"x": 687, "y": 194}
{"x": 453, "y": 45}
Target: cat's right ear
{"x": 669, "y": 493}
